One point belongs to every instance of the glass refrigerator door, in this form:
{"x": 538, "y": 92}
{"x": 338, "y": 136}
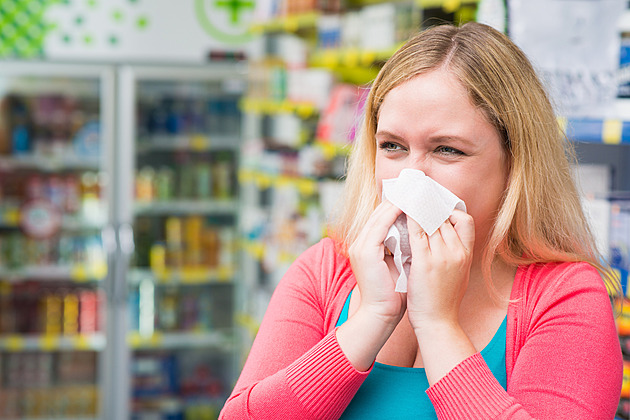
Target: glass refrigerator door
{"x": 55, "y": 132}
{"x": 184, "y": 126}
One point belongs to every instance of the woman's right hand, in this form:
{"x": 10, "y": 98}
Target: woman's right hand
{"x": 374, "y": 279}
{"x": 380, "y": 309}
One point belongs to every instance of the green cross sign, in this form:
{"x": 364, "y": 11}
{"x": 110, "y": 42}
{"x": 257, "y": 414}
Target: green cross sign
{"x": 234, "y": 7}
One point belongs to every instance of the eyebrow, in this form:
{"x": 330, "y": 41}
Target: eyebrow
{"x": 388, "y": 135}
{"x": 437, "y": 139}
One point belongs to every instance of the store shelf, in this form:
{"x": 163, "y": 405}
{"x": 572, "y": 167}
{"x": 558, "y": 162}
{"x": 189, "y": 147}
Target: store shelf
{"x": 50, "y": 163}
{"x": 265, "y": 106}
{"x": 10, "y": 218}
{"x": 351, "y": 58}
{"x": 57, "y": 418}
{"x": 78, "y": 273}
{"x": 293, "y": 23}
{"x": 170, "y": 207}
{"x": 189, "y": 143}
{"x": 185, "y": 276}
{"x": 80, "y": 342}
{"x": 606, "y": 131}
{"x": 332, "y": 149}
{"x": 308, "y": 21}
{"x": 257, "y": 250}
{"x": 448, "y": 5}
{"x": 175, "y": 340}
{"x": 263, "y": 180}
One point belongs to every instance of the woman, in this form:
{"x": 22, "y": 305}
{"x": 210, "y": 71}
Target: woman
{"x": 506, "y": 313}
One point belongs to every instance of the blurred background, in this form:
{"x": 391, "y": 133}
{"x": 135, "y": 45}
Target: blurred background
{"x": 162, "y": 163}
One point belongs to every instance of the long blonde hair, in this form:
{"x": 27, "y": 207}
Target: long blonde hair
{"x": 541, "y": 217}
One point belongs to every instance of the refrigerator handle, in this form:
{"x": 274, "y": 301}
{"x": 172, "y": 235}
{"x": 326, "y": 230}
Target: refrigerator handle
{"x": 108, "y": 236}
{"x": 125, "y": 249}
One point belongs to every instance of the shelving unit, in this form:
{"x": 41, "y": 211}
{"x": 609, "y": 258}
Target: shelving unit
{"x": 291, "y": 176}
{"x": 55, "y": 142}
{"x": 131, "y": 216}
{"x": 182, "y": 136}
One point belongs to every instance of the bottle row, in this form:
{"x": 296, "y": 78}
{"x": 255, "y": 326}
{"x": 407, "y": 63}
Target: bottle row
{"x": 63, "y": 251}
{"x": 367, "y": 27}
{"x": 49, "y": 125}
{"x": 174, "y": 116}
{"x": 42, "y": 308}
{"x": 173, "y": 386}
{"x": 206, "y": 178}
{"x": 48, "y": 385}
{"x": 169, "y": 309}
{"x": 177, "y": 243}
{"x": 69, "y": 192}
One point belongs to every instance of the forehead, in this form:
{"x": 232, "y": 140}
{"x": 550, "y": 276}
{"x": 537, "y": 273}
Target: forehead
{"x": 434, "y": 97}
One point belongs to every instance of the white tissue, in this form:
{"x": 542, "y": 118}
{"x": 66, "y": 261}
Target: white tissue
{"x": 426, "y": 202}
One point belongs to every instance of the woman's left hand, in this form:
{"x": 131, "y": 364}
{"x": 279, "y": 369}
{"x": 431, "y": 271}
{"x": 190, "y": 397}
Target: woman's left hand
{"x": 440, "y": 270}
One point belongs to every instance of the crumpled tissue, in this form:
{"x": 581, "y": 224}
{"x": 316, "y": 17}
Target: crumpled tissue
{"x": 426, "y": 202}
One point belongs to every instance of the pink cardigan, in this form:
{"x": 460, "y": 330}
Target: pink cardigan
{"x": 563, "y": 356}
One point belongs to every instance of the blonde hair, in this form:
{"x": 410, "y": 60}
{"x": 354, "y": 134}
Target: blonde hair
{"x": 541, "y": 217}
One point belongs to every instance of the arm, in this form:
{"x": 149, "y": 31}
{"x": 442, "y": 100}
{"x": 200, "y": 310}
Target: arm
{"x": 566, "y": 362}
{"x": 295, "y": 369}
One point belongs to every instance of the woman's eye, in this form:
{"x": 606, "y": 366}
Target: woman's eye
{"x": 446, "y": 150}
{"x": 389, "y": 146}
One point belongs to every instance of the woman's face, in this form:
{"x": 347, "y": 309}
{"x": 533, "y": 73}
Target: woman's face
{"x": 429, "y": 123}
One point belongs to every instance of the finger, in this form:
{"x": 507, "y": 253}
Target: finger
{"x": 418, "y": 239}
{"x": 436, "y": 241}
{"x": 383, "y": 217}
{"x": 464, "y": 226}
{"x": 451, "y": 239}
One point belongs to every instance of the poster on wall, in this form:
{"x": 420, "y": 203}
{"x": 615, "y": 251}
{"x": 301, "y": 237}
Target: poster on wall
{"x": 124, "y": 30}
{"x": 574, "y": 45}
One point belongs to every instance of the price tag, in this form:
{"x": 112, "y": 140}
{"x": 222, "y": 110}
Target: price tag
{"x": 611, "y": 131}
{"x": 81, "y": 342}
{"x": 307, "y": 186}
{"x": 79, "y": 273}
{"x": 304, "y": 110}
{"x": 291, "y": 24}
{"x": 14, "y": 343}
{"x": 134, "y": 340}
{"x": 451, "y": 5}
{"x": 49, "y": 342}
{"x": 156, "y": 340}
{"x": 224, "y": 273}
{"x": 351, "y": 58}
{"x": 12, "y": 216}
{"x": 368, "y": 57}
{"x": 199, "y": 142}
{"x": 264, "y": 181}
{"x": 329, "y": 59}
{"x": 563, "y": 122}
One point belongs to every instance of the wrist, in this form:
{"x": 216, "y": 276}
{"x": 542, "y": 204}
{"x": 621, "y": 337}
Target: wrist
{"x": 378, "y": 317}
{"x": 362, "y": 336}
{"x": 434, "y": 328}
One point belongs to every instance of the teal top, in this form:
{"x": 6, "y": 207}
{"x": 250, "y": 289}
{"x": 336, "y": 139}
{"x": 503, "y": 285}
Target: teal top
{"x": 393, "y": 392}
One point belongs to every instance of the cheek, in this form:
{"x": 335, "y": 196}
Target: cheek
{"x": 385, "y": 169}
{"x": 483, "y": 200}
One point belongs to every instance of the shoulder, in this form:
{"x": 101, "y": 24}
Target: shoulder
{"x": 324, "y": 250}
{"x": 565, "y": 286}
{"x": 324, "y": 267}
{"x": 321, "y": 276}
{"x": 559, "y": 276}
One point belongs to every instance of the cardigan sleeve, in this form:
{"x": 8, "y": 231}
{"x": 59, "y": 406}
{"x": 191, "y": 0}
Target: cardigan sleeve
{"x": 566, "y": 361}
{"x": 295, "y": 369}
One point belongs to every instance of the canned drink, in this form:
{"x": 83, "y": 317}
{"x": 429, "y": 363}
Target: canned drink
{"x": 165, "y": 184}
